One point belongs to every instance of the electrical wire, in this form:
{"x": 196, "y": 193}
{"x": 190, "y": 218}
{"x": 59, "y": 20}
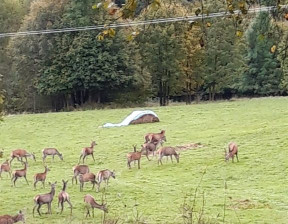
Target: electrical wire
{"x": 135, "y": 23}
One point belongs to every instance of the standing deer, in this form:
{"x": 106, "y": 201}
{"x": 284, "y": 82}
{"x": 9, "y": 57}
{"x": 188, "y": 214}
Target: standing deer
{"x": 233, "y": 150}
{"x": 86, "y": 178}
{"x": 87, "y": 151}
{"x": 20, "y": 154}
{"x": 152, "y": 146}
{"x": 51, "y": 152}
{"x": 135, "y": 156}
{"x": 5, "y": 167}
{"x": 63, "y": 196}
{"x": 155, "y": 137}
{"x": 20, "y": 173}
{"x": 90, "y": 201}
{"x": 41, "y": 177}
{"x": 167, "y": 151}
{"x": 8, "y": 219}
{"x": 42, "y": 199}
{"x": 104, "y": 175}
{"x": 79, "y": 169}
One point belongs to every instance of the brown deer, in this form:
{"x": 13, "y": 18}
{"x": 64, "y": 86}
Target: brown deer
{"x": 8, "y": 219}
{"x": 5, "y": 167}
{"x": 63, "y": 196}
{"x": 87, "y": 177}
{"x": 20, "y": 173}
{"x": 155, "y": 137}
{"x": 233, "y": 150}
{"x": 20, "y": 154}
{"x": 168, "y": 151}
{"x": 79, "y": 169}
{"x": 90, "y": 201}
{"x": 152, "y": 146}
{"x": 42, "y": 199}
{"x": 41, "y": 177}
{"x": 87, "y": 151}
{"x": 51, "y": 152}
{"x": 136, "y": 156}
{"x": 104, "y": 175}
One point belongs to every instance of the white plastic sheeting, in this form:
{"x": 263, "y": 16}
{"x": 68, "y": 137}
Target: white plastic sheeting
{"x": 131, "y": 117}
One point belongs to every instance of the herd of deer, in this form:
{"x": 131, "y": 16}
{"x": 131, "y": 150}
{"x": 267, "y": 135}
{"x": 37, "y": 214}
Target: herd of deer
{"x": 153, "y": 143}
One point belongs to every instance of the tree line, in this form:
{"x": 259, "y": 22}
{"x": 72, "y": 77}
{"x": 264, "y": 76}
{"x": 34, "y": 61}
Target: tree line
{"x": 240, "y": 54}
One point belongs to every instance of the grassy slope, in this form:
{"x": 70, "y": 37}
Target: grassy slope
{"x": 259, "y": 126}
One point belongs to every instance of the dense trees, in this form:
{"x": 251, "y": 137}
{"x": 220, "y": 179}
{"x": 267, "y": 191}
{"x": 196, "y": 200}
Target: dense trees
{"x": 202, "y": 59}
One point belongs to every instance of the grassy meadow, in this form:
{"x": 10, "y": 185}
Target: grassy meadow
{"x": 256, "y": 188}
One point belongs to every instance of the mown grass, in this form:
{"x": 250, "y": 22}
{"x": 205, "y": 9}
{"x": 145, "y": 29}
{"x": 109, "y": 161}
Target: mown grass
{"x": 256, "y": 186}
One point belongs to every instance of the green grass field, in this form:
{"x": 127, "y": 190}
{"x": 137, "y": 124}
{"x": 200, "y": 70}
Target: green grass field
{"x": 256, "y": 190}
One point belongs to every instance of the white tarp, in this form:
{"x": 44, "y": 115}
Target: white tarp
{"x": 131, "y": 117}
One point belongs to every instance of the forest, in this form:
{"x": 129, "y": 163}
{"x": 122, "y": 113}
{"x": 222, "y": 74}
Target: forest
{"x": 240, "y": 54}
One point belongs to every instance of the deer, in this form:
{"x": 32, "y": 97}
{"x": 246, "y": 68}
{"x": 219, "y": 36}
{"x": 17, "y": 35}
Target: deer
{"x": 20, "y": 154}
{"x": 20, "y": 173}
{"x": 87, "y": 151}
{"x": 8, "y": 219}
{"x": 41, "y": 177}
{"x": 42, "y": 199}
{"x": 90, "y": 201}
{"x": 86, "y": 178}
{"x": 79, "y": 169}
{"x": 63, "y": 196}
{"x": 51, "y": 152}
{"x": 136, "y": 156}
{"x": 233, "y": 150}
{"x": 104, "y": 175}
{"x": 5, "y": 167}
{"x": 168, "y": 151}
{"x": 152, "y": 146}
{"x": 155, "y": 137}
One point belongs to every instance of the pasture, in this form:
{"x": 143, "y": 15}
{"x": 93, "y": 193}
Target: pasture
{"x": 255, "y": 191}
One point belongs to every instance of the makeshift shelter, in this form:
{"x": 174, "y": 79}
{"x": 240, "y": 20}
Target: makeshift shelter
{"x": 136, "y": 117}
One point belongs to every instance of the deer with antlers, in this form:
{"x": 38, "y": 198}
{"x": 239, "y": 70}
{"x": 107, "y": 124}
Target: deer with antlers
{"x": 5, "y": 167}
{"x": 233, "y": 151}
{"x": 168, "y": 151}
{"x": 20, "y": 154}
{"x": 20, "y": 173}
{"x": 8, "y": 219}
{"x": 63, "y": 196}
{"x": 41, "y": 177}
{"x": 136, "y": 156}
{"x": 104, "y": 175}
{"x": 90, "y": 201}
{"x": 87, "y": 177}
{"x": 79, "y": 169}
{"x": 155, "y": 137}
{"x": 88, "y": 151}
{"x": 51, "y": 152}
{"x": 42, "y": 199}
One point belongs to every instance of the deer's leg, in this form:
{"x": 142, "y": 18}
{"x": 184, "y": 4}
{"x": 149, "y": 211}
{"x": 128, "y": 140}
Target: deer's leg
{"x": 0, "y": 172}
{"x": 44, "y": 157}
{"x": 62, "y": 206}
{"x": 81, "y": 186}
{"x": 15, "y": 178}
{"x": 147, "y": 155}
{"x": 9, "y": 173}
{"x": 80, "y": 158}
{"x": 171, "y": 158}
{"x": 233, "y": 159}
{"x": 93, "y": 211}
{"x": 11, "y": 160}
{"x": 160, "y": 159}
{"x": 93, "y": 157}
{"x": 128, "y": 164}
{"x": 43, "y": 183}
{"x": 53, "y": 157}
{"x": 25, "y": 159}
{"x": 38, "y": 209}
{"x": 93, "y": 185}
{"x": 237, "y": 157}
{"x": 68, "y": 201}
{"x": 88, "y": 212}
{"x": 26, "y": 179}
{"x": 35, "y": 182}
{"x": 50, "y": 207}
{"x": 84, "y": 158}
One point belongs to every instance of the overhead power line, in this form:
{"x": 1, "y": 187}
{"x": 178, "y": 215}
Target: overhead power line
{"x": 136, "y": 23}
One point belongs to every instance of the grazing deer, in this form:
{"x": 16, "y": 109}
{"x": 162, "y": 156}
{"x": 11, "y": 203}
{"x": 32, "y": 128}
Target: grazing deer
{"x": 41, "y": 177}
{"x": 155, "y": 137}
{"x": 42, "y": 199}
{"x": 8, "y": 219}
{"x": 233, "y": 150}
{"x": 167, "y": 151}
{"x": 63, "y": 196}
{"x": 86, "y": 178}
{"x": 90, "y": 201}
{"x": 5, "y": 167}
{"x": 135, "y": 156}
{"x": 51, "y": 152}
{"x": 152, "y": 146}
{"x": 104, "y": 175}
{"x": 20, "y": 154}
{"x": 87, "y": 151}
{"x": 20, "y": 173}
{"x": 79, "y": 169}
